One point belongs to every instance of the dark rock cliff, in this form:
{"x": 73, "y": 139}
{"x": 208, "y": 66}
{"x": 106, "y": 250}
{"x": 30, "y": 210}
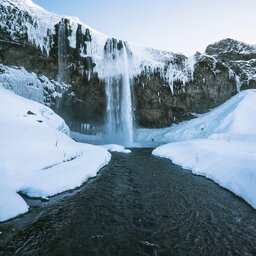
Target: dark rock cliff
{"x": 157, "y": 104}
{"x": 240, "y": 57}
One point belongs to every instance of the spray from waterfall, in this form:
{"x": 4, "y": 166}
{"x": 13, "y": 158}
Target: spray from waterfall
{"x": 119, "y": 123}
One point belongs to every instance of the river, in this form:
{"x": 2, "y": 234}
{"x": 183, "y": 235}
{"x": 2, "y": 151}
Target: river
{"x": 137, "y": 205}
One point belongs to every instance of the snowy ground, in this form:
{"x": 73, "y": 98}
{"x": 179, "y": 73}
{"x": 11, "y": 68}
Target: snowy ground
{"x": 220, "y": 145}
{"x": 36, "y": 155}
{"x": 116, "y": 148}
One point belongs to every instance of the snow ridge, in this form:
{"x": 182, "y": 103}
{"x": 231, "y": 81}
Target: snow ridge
{"x": 230, "y": 46}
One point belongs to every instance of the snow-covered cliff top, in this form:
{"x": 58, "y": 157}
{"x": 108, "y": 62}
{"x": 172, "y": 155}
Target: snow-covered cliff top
{"x": 231, "y": 46}
{"x": 25, "y": 20}
{"x": 23, "y": 16}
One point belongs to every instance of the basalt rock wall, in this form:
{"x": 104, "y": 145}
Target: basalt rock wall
{"x": 163, "y": 95}
{"x": 157, "y": 106}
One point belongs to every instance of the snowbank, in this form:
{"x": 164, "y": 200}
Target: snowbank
{"x": 98, "y": 140}
{"x": 116, "y": 148}
{"x": 231, "y": 164}
{"x": 66, "y": 175}
{"x": 220, "y": 145}
{"x": 36, "y": 155}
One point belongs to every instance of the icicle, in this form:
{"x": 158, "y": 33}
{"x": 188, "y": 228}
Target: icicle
{"x": 238, "y": 83}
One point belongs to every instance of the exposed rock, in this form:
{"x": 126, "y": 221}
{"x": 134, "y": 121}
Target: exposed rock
{"x": 30, "y": 113}
{"x": 240, "y": 57}
{"x": 229, "y": 49}
{"x": 156, "y": 105}
{"x": 168, "y": 88}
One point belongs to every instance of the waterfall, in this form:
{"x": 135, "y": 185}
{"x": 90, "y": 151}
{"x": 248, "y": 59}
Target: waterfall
{"x": 62, "y": 52}
{"x": 119, "y": 122}
{"x": 126, "y": 102}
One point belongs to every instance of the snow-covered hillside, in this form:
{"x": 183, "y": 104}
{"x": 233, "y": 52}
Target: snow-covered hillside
{"x": 220, "y": 145}
{"x": 36, "y": 155}
{"x": 23, "y": 19}
{"x": 234, "y": 118}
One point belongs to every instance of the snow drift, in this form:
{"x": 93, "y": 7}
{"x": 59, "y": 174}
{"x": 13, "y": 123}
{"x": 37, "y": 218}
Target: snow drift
{"x": 36, "y": 155}
{"x": 236, "y": 117}
{"x": 220, "y": 145}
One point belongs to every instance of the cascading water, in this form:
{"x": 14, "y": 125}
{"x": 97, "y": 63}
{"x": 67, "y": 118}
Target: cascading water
{"x": 119, "y": 123}
{"x": 62, "y": 52}
{"x": 126, "y": 102}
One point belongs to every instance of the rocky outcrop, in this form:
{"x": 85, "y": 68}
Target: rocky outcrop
{"x": 156, "y": 104}
{"x": 240, "y": 57}
{"x": 167, "y": 87}
{"x": 84, "y": 101}
{"x": 231, "y": 50}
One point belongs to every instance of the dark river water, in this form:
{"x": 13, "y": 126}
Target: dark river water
{"x": 137, "y": 205}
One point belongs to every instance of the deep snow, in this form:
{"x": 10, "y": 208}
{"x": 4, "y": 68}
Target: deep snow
{"x": 220, "y": 145}
{"x": 36, "y": 155}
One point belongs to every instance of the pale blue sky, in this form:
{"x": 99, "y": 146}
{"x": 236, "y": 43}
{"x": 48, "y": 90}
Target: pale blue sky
{"x": 184, "y": 26}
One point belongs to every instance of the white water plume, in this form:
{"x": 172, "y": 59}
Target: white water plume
{"x": 119, "y": 123}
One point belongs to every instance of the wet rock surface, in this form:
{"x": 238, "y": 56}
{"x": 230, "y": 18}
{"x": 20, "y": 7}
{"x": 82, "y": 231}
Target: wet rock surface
{"x": 137, "y": 205}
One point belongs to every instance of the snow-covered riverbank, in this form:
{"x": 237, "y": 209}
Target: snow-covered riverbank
{"x": 220, "y": 145}
{"x": 37, "y": 157}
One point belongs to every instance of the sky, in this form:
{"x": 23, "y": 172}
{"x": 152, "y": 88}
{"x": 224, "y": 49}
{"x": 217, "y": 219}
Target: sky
{"x": 184, "y": 26}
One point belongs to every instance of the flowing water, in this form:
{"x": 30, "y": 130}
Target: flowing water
{"x": 126, "y": 107}
{"x": 137, "y": 205}
{"x": 119, "y": 122}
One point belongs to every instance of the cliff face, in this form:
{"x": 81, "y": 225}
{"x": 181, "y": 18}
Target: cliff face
{"x": 240, "y": 57}
{"x": 166, "y": 87}
{"x": 213, "y": 83}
